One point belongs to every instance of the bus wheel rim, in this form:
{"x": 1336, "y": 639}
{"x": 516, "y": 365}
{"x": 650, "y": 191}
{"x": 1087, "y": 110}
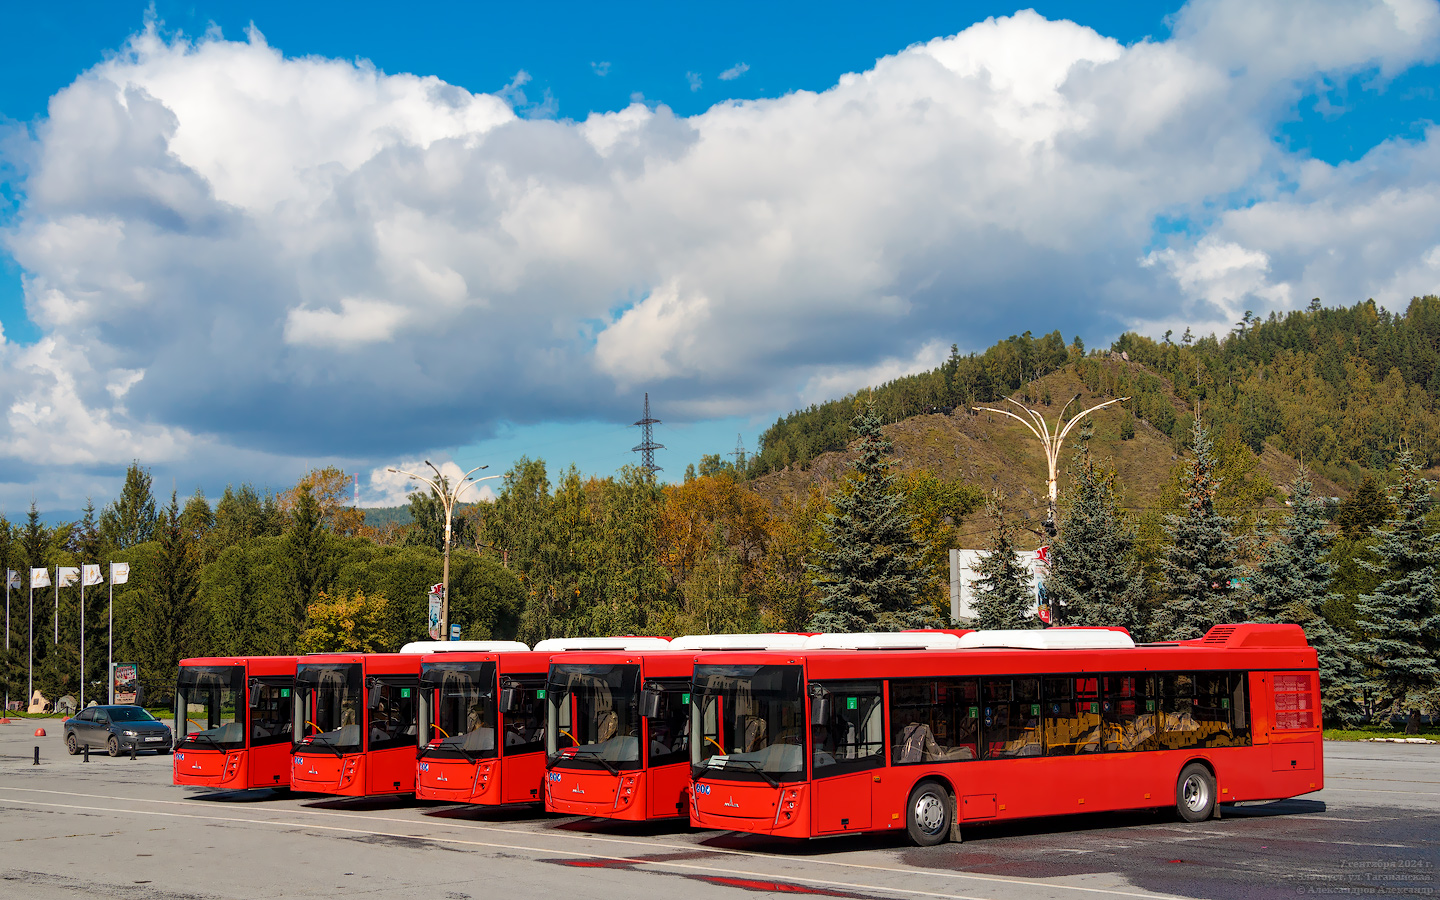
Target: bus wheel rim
{"x": 929, "y": 813}
{"x": 1195, "y": 793}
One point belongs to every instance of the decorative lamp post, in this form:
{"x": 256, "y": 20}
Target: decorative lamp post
{"x": 1050, "y": 439}
{"x": 448, "y": 497}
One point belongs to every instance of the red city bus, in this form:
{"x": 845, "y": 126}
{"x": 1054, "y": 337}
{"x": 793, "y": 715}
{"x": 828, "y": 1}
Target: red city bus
{"x": 618, "y": 729}
{"x": 356, "y": 720}
{"x": 1011, "y": 724}
{"x": 232, "y": 722}
{"x": 483, "y": 712}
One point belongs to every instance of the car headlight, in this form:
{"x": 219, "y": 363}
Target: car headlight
{"x": 128, "y": 733}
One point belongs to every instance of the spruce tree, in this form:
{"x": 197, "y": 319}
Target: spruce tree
{"x": 1201, "y": 565}
{"x": 131, "y": 518}
{"x": 1094, "y": 574}
{"x": 166, "y": 627}
{"x": 307, "y": 546}
{"x": 1002, "y": 592}
{"x": 1293, "y": 583}
{"x": 869, "y": 573}
{"x": 1401, "y": 619}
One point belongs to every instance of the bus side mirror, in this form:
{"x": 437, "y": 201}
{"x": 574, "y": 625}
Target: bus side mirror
{"x": 254, "y": 694}
{"x": 819, "y": 706}
{"x": 650, "y": 703}
{"x": 509, "y": 699}
{"x": 374, "y": 699}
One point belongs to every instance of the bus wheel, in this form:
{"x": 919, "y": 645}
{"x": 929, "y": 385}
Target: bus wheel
{"x": 1195, "y": 793}
{"x": 927, "y": 816}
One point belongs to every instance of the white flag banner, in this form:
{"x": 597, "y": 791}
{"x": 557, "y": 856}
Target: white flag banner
{"x": 12, "y": 579}
{"x": 119, "y": 573}
{"x": 39, "y": 578}
{"x": 90, "y": 575}
{"x": 67, "y": 575}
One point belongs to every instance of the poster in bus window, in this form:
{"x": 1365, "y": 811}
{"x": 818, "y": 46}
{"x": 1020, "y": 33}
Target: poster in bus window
{"x": 127, "y": 682}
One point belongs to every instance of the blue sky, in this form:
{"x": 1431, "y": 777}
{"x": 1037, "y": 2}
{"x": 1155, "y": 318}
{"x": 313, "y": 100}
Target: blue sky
{"x": 675, "y": 245}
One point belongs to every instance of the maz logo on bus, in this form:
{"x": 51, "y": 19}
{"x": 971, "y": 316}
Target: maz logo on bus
{"x": 702, "y": 789}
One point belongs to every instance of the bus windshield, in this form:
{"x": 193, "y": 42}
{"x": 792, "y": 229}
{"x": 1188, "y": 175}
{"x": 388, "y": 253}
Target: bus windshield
{"x": 593, "y": 716}
{"x": 328, "y": 706}
{"x": 749, "y": 722}
{"x": 210, "y": 707}
{"x": 460, "y": 699}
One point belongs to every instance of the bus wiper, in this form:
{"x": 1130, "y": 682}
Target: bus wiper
{"x": 317, "y": 739}
{"x": 595, "y": 755}
{"x": 756, "y": 765}
{"x": 200, "y": 734}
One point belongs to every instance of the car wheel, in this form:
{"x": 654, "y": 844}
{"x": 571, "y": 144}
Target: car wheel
{"x": 72, "y": 745}
{"x": 927, "y": 814}
{"x": 113, "y": 746}
{"x": 1195, "y": 793}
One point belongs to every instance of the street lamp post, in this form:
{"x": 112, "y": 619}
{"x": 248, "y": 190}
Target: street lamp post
{"x": 448, "y": 497}
{"x": 1051, "y": 440}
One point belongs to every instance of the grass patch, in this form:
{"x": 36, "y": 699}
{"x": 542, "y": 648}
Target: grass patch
{"x": 1364, "y": 734}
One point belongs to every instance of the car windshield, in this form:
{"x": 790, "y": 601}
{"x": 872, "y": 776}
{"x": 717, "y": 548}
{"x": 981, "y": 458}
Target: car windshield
{"x": 460, "y": 700}
{"x": 328, "y": 706}
{"x": 750, "y": 721}
{"x": 130, "y": 714}
{"x": 593, "y": 716}
{"x": 210, "y": 706}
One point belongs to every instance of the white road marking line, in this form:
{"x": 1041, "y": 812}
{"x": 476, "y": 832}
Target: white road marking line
{"x": 635, "y": 861}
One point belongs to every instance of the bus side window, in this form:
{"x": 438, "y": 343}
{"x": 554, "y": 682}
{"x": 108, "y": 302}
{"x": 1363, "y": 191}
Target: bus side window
{"x": 1072, "y": 715}
{"x": 933, "y": 721}
{"x": 854, "y": 737}
{"x": 1010, "y": 716}
{"x": 1180, "y": 729}
{"x": 1129, "y": 711}
{"x": 1217, "y": 711}
{"x": 525, "y": 724}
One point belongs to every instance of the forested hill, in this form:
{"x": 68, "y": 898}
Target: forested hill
{"x": 1340, "y": 388}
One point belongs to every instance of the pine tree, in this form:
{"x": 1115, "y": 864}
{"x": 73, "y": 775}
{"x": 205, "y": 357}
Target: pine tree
{"x": 131, "y": 518}
{"x": 1402, "y": 618}
{"x": 1201, "y": 565}
{"x": 307, "y": 546}
{"x": 1293, "y": 584}
{"x": 1094, "y": 575}
{"x": 1002, "y": 592}
{"x": 165, "y": 627}
{"x": 869, "y": 573}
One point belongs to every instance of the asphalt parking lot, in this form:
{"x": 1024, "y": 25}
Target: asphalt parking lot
{"x": 118, "y": 828}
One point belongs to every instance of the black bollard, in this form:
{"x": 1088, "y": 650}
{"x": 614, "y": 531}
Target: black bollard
{"x": 87, "y": 752}
{"x": 37, "y": 756}
{"x": 132, "y": 752}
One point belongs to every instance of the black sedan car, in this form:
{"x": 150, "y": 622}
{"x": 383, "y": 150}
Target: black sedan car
{"x": 116, "y": 729}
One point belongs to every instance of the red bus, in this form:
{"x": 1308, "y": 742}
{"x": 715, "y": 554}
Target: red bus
{"x": 482, "y": 724}
{"x": 232, "y": 722}
{"x": 1012, "y": 724}
{"x": 618, "y": 725}
{"x": 356, "y": 721}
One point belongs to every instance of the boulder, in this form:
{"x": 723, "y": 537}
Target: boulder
{"x": 38, "y": 703}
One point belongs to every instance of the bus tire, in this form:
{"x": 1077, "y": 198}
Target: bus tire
{"x": 1195, "y": 793}
{"x": 927, "y": 814}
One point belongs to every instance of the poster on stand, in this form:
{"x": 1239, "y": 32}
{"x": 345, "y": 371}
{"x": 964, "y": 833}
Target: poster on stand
{"x": 127, "y": 683}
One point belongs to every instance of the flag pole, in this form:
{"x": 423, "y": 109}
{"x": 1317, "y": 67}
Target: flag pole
{"x": 82, "y": 635}
{"x": 30, "y": 686}
{"x": 57, "y": 606}
{"x": 7, "y": 643}
{"x": 110, "y": 656}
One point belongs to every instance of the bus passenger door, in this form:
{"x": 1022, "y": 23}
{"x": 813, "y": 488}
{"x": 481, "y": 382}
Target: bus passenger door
{"x": 847, "y": 736}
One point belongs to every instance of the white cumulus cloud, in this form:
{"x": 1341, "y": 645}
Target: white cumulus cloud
{"x": 238, "y": 256}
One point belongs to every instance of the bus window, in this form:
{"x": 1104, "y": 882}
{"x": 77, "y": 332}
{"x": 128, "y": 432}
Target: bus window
{"x": 669, "y": 737}
{"x": 1011, "y": 717}
{"x": 1216, "y": 710}
{"x": 1294, "y": 707}
{"x": 270, "y": 719}
{"x": 934, "y": 721}
{"x": 1072, "y": 715}
{"x": 525, "y": 720}
{"x": 393, "y": 715}
{"x": 1128, "y": 709}
{"x": 1178, "y": 728}
{"x": 854, "y": 737}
